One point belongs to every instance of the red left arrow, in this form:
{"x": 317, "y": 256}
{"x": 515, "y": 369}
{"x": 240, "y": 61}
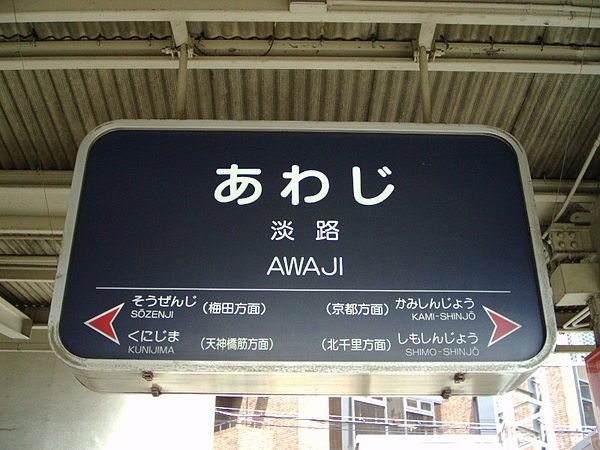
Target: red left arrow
{"x": 103, "y": 323}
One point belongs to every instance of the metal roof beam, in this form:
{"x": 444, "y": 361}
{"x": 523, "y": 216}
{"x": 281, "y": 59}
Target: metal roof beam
{"x": 574, "y": 349}
{"x": 486, "y": 51}
{"x": 31, "y": 227}
{"x": 33, "y": 203}
{"x": 48, "y": 178}
{"x": 38, "y": 342}
{"x": 29, "y": 269}
{"x": 14, "y": 323}
{"x": 28, "y": 260}
{"x": 303, "y": 54}
{"x": 181, "y": 35}
{"x": 304, "y": 63}
{"x": 344, "y": 11}
{"x": 555, "y": 191}
{"x": 27, "y": 274}
{"x": 427, "y": 35}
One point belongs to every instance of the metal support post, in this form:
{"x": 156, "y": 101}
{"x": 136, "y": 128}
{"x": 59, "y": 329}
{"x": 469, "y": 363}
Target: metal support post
{"x": 181, "y": 82}
{"x": 425, "y": 91}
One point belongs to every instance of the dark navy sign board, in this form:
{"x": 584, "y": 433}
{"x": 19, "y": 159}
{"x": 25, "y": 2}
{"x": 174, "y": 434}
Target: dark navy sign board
{"x": 441, "y": 270}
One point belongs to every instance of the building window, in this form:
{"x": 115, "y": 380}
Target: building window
{"x": 419, "y": 415}
{"x": 226, "y": 411}
{"x": 232, "y": 411}
{"x": 370, "y": 413}
{"x": 584, "y": 395}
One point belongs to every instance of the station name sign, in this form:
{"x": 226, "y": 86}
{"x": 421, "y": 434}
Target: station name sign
{"x": 338, "y": 251}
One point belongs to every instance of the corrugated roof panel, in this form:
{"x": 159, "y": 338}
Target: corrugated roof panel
{"x": 479, "y": 98}
{"x": 38, "y": 247}
{"x": 27, "y": 294}
{"x": 397, "y": 32}
{"x": 266, "y": 30}
{"x": 483, "y": 33}
{"x": 302, "y": 95}
{"x": 47, "y": 113}
{"x": 77, "y": 30}
{"x": 394, "y": 97}
{"x": 38, "y": 146}
{"x": 244, "y": 30}
{"x": 577, "y": 36}
{"x": 516, "y": 34}
{"x": 559, "y": 122}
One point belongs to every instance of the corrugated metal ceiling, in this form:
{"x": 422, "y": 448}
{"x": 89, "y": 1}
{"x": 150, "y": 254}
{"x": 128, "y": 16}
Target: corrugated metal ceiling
{"x": 519, "y": 35}
{"x": 211, "y": 30}
{"x": 266, "y": 30}
{"x": 77, "y": 30}
{"x": 45, "y": 114}
{"x": 33, "y": 247}
{"x": 27, "y": 294}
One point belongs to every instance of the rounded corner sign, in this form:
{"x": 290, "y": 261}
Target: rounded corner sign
{"x": 309, "y": 245}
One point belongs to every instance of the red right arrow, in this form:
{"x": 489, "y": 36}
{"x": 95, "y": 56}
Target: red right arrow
{"x": 103, "y": 323}
{"x": 503, "y": 326}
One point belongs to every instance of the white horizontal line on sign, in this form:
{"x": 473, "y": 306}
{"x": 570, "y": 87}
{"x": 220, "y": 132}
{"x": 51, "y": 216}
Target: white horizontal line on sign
{"x": 131, "y": 288}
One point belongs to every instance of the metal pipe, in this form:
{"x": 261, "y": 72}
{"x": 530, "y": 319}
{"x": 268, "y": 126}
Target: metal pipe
{"x": 301, "y": 63}
{"x": 575, "y": 322}
{"x": 586, "y": 164}
{"x": 324, "y": 48}
{"x": 425, "y": 91}
{"x": 181, "y": 82}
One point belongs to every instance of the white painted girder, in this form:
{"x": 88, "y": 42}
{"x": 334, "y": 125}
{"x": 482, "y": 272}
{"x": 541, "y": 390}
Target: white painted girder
{"x": 33, "y": 203}
{"x": 28, "y": 269}
{"x": 27, "y": 274}
{"x": 300, "y": 63}
{"x": 14, "y": 323}
{"x": 303, "y": 47}
{"x": 24, "y": 227}
{"x": 302, "y": 55}
{"x": 426, "y": 35}
{"x": 180, "y": 32}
